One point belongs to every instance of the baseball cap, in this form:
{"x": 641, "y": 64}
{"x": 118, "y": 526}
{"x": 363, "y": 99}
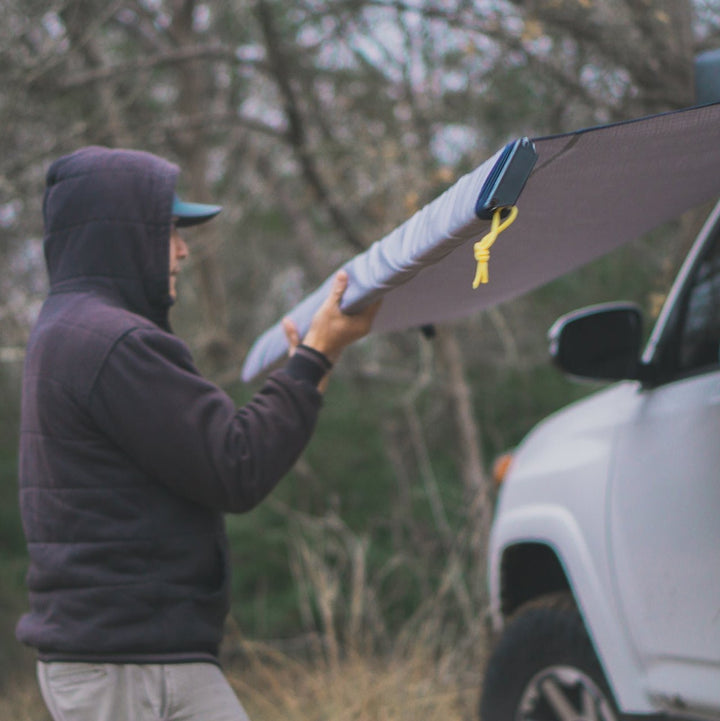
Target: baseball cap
{"x": 192, "y": 213}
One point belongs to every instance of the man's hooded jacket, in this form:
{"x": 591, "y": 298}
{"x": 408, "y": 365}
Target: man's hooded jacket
{"x": 128, "y": 456}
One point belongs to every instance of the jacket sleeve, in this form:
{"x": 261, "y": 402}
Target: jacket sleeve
{"x": 186, "y": 433}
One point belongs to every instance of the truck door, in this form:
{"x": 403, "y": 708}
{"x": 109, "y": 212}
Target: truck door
{"x": 664, "y": 505}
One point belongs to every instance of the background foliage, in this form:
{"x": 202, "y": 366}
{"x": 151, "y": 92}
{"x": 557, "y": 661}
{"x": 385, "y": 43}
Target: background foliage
{"x": 320, "y": 125}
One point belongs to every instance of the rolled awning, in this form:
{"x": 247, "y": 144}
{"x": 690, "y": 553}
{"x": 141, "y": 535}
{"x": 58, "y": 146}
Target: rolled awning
{"x": 590, "y": 192}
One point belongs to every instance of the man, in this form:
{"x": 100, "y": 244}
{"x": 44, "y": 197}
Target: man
{"x": 129, "y": 457}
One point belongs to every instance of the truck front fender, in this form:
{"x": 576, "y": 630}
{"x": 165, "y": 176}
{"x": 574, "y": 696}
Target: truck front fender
{"x": 556, "y": 528}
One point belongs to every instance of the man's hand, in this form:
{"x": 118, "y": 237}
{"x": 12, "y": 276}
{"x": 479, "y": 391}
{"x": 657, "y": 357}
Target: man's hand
{"x": 331, "y": 330}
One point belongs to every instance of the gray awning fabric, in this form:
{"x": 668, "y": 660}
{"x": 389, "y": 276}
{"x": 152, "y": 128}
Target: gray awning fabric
{"x": 591, "y": 191}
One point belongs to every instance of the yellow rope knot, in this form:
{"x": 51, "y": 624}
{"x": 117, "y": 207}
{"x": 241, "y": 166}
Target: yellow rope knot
{"x": 481, "y": 249}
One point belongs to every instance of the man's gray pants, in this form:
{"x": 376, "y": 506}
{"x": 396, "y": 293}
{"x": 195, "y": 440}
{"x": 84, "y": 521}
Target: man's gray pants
{"x": 129, "y": 692}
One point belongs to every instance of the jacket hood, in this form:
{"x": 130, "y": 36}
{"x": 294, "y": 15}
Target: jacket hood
{"x": 107, "y": 220}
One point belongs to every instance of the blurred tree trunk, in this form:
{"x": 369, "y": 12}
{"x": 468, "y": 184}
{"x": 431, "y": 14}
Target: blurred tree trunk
{"x": 195, "y": 82}
{"x": 106, "y": 126}
{"x": 476, "y": 482}
{"x": 468, "y": 429}
{"x": 282, "y": 68}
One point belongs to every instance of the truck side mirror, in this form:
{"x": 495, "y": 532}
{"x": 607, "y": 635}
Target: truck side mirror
{"x": 601, "y": 342}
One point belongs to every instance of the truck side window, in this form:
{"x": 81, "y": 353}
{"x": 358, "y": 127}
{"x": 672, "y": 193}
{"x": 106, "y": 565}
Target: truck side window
{"x": 700, "y": 332}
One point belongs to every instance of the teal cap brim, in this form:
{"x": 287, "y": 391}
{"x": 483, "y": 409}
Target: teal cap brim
{"x": 186, "y": 214}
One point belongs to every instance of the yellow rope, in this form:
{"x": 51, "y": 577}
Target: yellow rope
{"x": 482, "y": 247}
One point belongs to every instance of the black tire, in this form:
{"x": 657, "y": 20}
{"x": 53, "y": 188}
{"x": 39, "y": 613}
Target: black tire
{"x": 544, "y": 668}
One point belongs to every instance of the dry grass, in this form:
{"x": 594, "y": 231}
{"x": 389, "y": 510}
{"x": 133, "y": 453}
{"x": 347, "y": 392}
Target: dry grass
{"x": 417, "y": 687}
{"x": 20, "y": 700}
{"x": 358, "y": 670}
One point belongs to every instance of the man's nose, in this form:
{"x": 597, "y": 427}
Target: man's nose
{"x": 179, "y": 246}
{"x": 182, "y": 248}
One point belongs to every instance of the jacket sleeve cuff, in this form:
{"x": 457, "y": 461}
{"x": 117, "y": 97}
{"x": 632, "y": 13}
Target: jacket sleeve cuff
{"x": 308, "y": 365}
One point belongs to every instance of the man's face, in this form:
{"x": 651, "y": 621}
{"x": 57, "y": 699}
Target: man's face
{"x": 178, "y": 252}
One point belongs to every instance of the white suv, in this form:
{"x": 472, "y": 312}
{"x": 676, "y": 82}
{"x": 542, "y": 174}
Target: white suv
{"x": 604, "y": 561}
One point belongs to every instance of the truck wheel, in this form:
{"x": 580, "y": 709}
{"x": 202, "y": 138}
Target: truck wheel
{"x": 544, "y": 668}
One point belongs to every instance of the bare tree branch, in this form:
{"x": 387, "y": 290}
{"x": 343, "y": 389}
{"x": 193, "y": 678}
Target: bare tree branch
{"x": 211, "y": 120}
{"x": 296, "y": 134}
{"x": 174, "y": 57}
